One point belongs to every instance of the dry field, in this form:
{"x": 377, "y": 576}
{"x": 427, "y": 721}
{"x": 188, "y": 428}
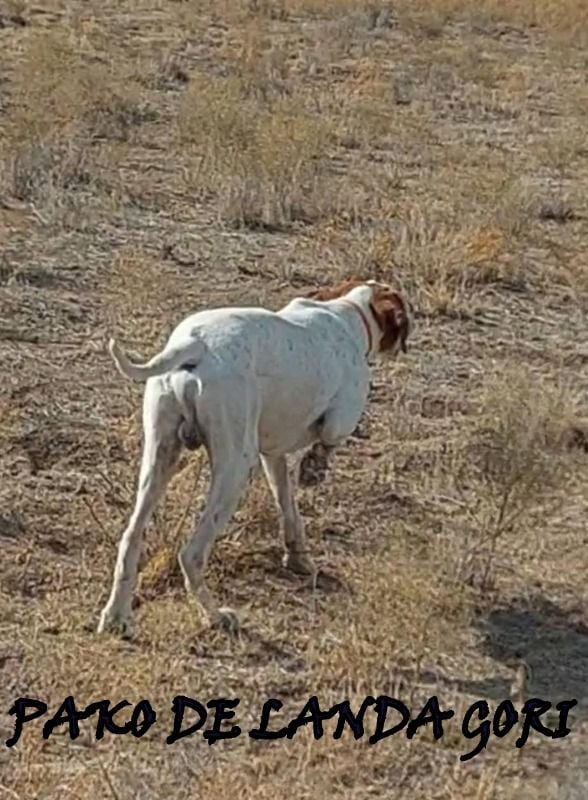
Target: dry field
{"x": 161, "y": 157}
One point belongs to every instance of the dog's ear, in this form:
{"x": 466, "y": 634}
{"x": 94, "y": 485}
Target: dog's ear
{"x": 390, "y": 311}
{"x": 325, "y": 293}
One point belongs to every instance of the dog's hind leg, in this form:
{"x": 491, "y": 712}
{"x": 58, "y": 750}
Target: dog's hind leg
{"x": 161, "y": 449}
{"x": 233, "y": 452}
{"x": 227, "y": 485}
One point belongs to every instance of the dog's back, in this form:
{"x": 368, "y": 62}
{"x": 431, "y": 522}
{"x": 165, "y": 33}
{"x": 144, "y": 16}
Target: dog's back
{"x": 289, "y": 365}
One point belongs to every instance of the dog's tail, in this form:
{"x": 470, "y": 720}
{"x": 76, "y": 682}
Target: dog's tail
{"x": 187, "y": 353}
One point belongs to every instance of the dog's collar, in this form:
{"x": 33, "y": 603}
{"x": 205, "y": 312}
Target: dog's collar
{"x": 365, "y": 321}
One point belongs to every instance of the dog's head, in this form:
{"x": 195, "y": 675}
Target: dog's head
{"x": 391, "y": 313}
{"x": 387, "y": 306}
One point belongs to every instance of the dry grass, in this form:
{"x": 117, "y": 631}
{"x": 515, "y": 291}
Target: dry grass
{"x": 159, "y": 158}
{"x": 517, "y": 461}
{"x": 263, "y": 164}
{"x": 63, "y": 109}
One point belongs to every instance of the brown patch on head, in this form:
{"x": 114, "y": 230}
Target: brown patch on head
{"x": 390, "y": 312}
{"x": 325, "y": 293}
{"x": 388, "y": 308}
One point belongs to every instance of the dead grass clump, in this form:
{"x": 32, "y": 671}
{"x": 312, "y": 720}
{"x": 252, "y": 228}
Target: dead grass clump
{"x": 513, "y": 468}
{"x": 426, "y": 20}
{"x": 565, "y": 19}
{"x": 60, "y": 105}
{"x": 48, "y": 170}
{"x": 514, "y": 207}
{"x": 365, "y": 110}
{"x": 56, "y": 87}
{"x": 45, "y": 91}
{"x": 271, "y": 9}
{"x": 215, "y": 118}
{"x": 560, "y": 151}
{"x": 470, "y": 63}
{"x": 261, "y": 67}
{"x": 367, "y": 14}
{"x": 263, "y": 164}
{"x": 440, "y": 263}
{"x": 507, "y": 202}
{"x": 115, "y": 111}
{"x": 353, "y": 32}
{"x": 525, "y": 421}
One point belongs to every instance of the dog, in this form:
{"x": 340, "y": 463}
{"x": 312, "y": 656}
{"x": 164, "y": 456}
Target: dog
{"x": 251, "y": 385}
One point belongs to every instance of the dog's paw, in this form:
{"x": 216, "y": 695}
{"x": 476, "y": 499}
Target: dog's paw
{"x": 299, "y": 563}
{"x": 116, "y": 624}
{"x": 313, "y": 468}
{"x": 228, "y": 620}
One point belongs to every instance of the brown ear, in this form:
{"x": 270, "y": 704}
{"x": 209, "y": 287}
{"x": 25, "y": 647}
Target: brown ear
{"x": 390, "y": 312}
{"x": 325, "y": 293}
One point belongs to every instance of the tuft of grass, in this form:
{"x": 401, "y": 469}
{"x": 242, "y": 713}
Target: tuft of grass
{"x": 521, "y": 453}
{"x": 260, "y": 66}
{"x": 271, "y": 9}
{"x": 49, "y": 169}
{"x": 61, "y": 106}
{"x": 368, "y": 110}
{"x": 440, "y": 263}
{"x": 513, "y": 466}
{"x": 564, "y": 19}
{"x": 514, "y": 207}
{"x": 57, "y": 87}
{"x": 263, "y": 164}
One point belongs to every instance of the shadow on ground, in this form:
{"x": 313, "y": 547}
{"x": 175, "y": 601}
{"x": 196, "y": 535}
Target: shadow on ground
{"x": 552, "y": 640}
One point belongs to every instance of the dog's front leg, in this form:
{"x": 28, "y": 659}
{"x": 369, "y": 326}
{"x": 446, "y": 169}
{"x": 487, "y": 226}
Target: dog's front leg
{"x": 278, "y": 478}
{"x": 331, "y": 431}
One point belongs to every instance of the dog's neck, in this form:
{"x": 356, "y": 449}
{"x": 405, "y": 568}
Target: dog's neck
{"x": 366, "y": 323}
{"x": 359, "y": 300}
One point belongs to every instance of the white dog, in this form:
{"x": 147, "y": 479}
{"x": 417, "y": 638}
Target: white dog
{"x": 251, "y": 384}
